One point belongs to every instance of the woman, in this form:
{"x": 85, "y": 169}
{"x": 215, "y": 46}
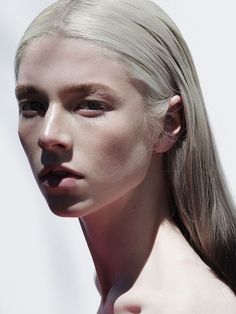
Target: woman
{"x": 113, "y": 122}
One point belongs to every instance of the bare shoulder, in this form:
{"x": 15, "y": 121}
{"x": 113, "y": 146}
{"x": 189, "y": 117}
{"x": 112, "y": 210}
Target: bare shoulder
{"x": 174, "y": 302}
{"x": 189, "y": 290}
{"x": 198, "y": 290}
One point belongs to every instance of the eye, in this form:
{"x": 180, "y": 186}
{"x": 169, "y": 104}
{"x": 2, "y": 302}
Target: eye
{"x": 91, "y": 108}
{"x": 31, "y": 108}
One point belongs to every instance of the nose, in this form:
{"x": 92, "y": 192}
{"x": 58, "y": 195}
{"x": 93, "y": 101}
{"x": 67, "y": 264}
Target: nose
{"x": 54, "y": 134}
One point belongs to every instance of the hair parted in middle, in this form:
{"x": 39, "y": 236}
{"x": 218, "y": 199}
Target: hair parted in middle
{"x": 158, "y": 60}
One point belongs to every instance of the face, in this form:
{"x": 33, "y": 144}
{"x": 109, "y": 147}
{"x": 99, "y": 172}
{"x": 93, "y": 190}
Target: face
{"x": 81, "y": 125}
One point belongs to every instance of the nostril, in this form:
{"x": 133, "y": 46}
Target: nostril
{"x": 133, "y": 309}
{"x": 58, "y": 142}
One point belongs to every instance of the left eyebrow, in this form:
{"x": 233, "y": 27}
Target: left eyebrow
{"x": 89, "y": 89}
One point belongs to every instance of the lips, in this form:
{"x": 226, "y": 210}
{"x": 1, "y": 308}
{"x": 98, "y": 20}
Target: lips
{"x": 58, "y": 177}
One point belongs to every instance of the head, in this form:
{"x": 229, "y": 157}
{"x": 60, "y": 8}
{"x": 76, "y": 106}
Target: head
{"x": 159, "y": 70}
{"x": 158, "y": 64}
{"x": 151, "y": 48}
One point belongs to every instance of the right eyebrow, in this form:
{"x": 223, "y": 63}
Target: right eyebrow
{"x": 22, "y": 91}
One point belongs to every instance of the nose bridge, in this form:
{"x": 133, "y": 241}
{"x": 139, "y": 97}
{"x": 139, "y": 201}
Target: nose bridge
{"x": 52, "y": 123}
{"x": 54, "y": 131}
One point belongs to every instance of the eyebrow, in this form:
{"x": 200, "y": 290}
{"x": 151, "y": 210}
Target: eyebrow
{"x": 83, "y": 90}
{"x": 26, "y": 90}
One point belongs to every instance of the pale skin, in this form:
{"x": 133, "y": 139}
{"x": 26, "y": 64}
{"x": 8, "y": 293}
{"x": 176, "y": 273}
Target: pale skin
{"x": 81, "y": 124}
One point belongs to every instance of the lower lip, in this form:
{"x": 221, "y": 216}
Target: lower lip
{"x": 52, "y": 183}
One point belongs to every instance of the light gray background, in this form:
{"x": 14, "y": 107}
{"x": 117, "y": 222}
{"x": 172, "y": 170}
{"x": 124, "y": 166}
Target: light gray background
{"x": 45, "y": 267}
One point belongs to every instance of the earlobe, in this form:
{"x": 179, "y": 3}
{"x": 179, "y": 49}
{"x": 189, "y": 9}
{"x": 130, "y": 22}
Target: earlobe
{"x": 173, "y": 123}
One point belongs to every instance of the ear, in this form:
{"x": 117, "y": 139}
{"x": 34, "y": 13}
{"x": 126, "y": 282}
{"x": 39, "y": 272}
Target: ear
{"x": 172, "y": 126}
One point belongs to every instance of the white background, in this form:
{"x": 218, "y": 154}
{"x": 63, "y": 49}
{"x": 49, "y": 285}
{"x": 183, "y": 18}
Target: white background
{"x": 45, "y": 267}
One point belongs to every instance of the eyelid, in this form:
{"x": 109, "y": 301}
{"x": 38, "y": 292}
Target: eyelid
{"x": 82, "y": 108}
{"x": 25, "y": 102}
{"x": 27, "y": 111}
{"x": 84, "y": 104}
{"x": 100, "y": 103}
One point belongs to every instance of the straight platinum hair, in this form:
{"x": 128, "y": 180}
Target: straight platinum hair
{"x": 158, "y": 59}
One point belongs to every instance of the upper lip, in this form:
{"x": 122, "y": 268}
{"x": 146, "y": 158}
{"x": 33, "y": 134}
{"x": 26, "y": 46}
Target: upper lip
{"x": 56, "y": 169}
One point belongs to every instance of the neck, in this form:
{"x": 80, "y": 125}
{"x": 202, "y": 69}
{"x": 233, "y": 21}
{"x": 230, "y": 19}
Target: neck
{"x": 121, "y": 236}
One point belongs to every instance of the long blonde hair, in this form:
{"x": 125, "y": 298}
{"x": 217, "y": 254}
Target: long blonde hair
{"x": 157, "y": 56}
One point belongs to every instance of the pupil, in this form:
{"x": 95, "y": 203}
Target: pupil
{"x": 35, "y": 106}
{"x": 94, "y": 106}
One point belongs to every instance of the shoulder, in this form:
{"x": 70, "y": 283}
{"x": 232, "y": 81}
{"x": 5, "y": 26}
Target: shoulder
{"x": 175, "y": 302}
{"x": 194, "y": 291}
{"x": 198, "y": 290}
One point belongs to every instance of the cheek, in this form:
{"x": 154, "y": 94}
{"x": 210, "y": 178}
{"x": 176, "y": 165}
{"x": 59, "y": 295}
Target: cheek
{"x": 119, "y": 151}
{"x": 27, "y": 140}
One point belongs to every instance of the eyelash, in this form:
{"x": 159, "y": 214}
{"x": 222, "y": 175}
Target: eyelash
{"x": 98, "y": 110}
{"x": 27, "y": 109}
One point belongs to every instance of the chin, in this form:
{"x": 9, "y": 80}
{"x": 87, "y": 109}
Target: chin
{"x": 70, "y": 210}
{"x": 65, "y": 213}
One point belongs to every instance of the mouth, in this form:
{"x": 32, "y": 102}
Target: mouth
{"x": 58, "y": 178}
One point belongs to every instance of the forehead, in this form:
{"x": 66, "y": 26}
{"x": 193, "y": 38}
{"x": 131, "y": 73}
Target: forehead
{"x": 70, "y": 59}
